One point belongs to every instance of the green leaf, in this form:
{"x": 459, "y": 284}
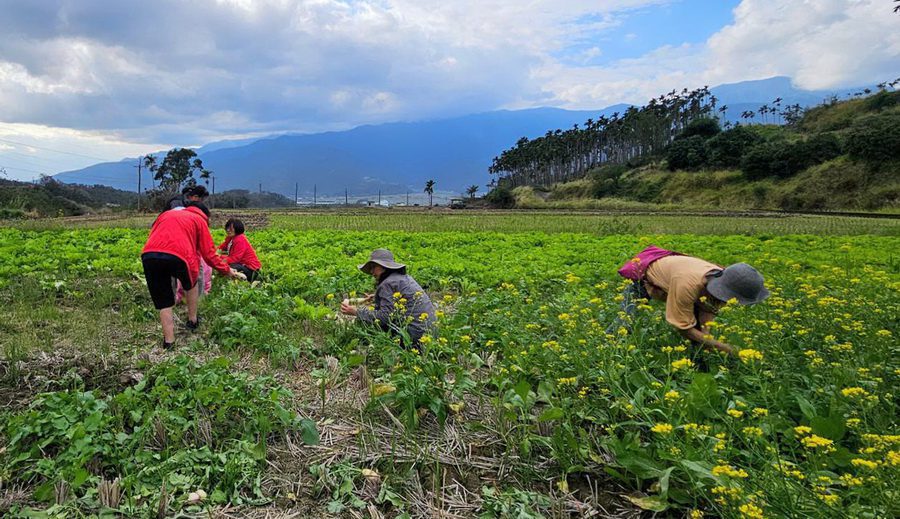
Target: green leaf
{"x": 703, "y": 470}
{"x": 218, "y": 497}
{"x": 545, "y": 391}
{"x": 553, "y": 413}
{"x": 842, "y": 456}
{"x": 355, "y": 360}
{"x": 259, "y": 449}
{"x": 652, "y": 503}
{"x": 639, "y": 465}
{"x": 386, "y": 495}
{"x": 664, "y": 482}
{"x": 806, "y": 407}
{"x": 308, "y": 432}
{"x": 522, "y": 389}
{"x": 831, "y": 427}
{"x": 703, "y": 395}
{"x": 79, "y": 476}
{"x": 45, "y": 492}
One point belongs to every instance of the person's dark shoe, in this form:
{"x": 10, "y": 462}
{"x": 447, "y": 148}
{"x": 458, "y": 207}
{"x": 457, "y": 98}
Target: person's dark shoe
{"x": 192, "y": 325}
{"x": 168, "y": 345}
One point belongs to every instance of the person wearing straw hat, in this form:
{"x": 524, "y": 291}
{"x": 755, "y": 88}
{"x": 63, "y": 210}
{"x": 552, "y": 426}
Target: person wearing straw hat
{"x": 694, "y": 290}
{"x": 399, "y": 302}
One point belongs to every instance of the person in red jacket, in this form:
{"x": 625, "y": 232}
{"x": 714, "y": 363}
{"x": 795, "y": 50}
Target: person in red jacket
{"x": 239, "y": 254}
{"x": 178, "y": 239}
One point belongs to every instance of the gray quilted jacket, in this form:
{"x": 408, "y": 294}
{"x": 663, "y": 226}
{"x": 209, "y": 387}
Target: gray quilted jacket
{"x": 391, "y": 314}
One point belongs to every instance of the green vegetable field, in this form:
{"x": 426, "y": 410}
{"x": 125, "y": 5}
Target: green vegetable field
{"x": 522, "y": 403}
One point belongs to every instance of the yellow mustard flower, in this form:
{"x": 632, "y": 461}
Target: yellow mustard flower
{"x": 728, "y": 470}
{"x": 749, "y": 355}
{"x": 854, "y": 392}
{"x": 683, "y": 363}
{"x": 662, "y": 429}
{"x": 859, "y": 462}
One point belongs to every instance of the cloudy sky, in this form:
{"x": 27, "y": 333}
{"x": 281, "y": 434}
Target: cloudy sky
{"x": 87, "y": 80}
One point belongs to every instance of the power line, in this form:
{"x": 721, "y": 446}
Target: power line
{"x": 97, "y": 177}
{"x": 54, "y": 151}
{"x": 32, "y": 157}
{"x": 24, "y": 169}
{"x": 41, "y": 162}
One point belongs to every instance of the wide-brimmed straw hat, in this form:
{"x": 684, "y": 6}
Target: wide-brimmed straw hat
{"x": 739, "y": 281}
{"x": 382, "y": 257}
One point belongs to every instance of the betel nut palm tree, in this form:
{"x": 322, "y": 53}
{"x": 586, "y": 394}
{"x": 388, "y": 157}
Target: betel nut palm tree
{"x": 429, "y": 188}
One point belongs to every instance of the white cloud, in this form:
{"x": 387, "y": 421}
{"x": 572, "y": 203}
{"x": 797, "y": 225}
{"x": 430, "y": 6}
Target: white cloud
{"x": 821, "y": 44}
{"x": 626, "y": 81}
{"x": 139, "y": 68}
{"x": 184, "y": 73}
{"x": 28, "y": 150}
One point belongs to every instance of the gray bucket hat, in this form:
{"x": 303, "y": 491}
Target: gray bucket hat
{"x": 382, "y": 257}
{"x": 739, "y": 281}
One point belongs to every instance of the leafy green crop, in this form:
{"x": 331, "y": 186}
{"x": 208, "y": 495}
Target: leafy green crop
{"x": 803, "y": 423}
{"x": 185, "y": 426}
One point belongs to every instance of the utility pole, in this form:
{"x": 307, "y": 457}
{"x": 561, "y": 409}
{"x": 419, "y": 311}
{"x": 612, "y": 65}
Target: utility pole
{"x": 296, "y": 189}
{"x": 314, "y": 194}
{"x": 379, "y": 197}
{"x": 212, "y": 198}
{"x": 346, "y": 196}
{"x": 140, "y": 160}
{"x": 260, "y": 188}
{"x": 407, "y": 197}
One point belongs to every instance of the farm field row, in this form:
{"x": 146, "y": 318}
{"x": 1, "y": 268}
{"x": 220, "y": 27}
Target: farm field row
{"x": 519, "y": 221}
{"x": 519, "y": 405}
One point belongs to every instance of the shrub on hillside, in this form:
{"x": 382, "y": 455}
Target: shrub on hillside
{"x": 875, "y": 139}
{"x": 501, "y": 197}
{"x": 882, "y": 100}
{"x": 36, "y": 199}
{"x": 689, "y": 153}
{"x": 728, "y": 148}
{"x": 10, "y": 214}
{"x": 818, "y": 149}
{"x": 606, "y": 181}
{"x": 779, "y": 158}
{"x": 705, "y": 127}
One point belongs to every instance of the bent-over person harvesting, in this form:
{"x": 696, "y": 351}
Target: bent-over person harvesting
{"x": 693, "y": 289}
{"x": 399, "y": 303}
{"x": 178, "y": 239}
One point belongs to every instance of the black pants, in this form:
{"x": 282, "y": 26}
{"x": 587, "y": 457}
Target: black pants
{"x": 245, "y": 270}
{"x": 160, "y": 271}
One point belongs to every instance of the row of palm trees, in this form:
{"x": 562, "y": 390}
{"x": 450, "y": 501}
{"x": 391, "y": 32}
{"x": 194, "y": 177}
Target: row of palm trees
{"x": 563, "y": 155}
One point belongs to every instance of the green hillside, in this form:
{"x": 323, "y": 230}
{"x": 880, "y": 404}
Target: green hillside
{"x": 52, "y": 198}
{"x": 839, "y": 156}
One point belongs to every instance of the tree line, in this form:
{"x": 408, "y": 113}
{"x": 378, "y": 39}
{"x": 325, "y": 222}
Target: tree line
{"x": 563, "y": 155}
{"x": 639, "y": 132}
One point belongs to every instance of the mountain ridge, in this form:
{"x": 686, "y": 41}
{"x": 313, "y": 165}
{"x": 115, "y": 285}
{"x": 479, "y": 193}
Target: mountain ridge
{"x": 397, "y": 156}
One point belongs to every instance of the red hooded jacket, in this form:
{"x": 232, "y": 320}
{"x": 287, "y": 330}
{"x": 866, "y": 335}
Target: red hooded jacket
{"x": 240, "y": 251}
{"x": 184, "y": 233}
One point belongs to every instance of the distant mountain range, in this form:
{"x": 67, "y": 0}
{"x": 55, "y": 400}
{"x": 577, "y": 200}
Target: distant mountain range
{"x": 396, "y": 157}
